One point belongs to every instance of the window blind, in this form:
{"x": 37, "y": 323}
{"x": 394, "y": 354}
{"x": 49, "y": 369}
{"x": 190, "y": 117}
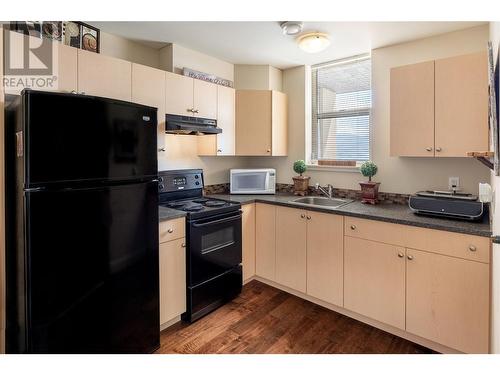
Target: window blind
{"x": 341, "y": 104}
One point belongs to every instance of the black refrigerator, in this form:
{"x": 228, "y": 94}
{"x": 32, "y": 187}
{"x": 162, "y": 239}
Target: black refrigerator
{"x": 82, "y": 225}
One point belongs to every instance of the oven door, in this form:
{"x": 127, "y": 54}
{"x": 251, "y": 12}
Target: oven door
{"x": 214, "y": 246}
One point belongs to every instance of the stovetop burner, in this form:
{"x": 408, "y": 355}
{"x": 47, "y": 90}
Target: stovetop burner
{"x": 200, "y": 200}
{"x": 192, "y": 207}
{"x": 215, "y": 203}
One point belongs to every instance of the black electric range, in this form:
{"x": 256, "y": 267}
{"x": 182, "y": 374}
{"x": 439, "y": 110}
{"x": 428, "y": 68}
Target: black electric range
{"x": 213, "y": 241}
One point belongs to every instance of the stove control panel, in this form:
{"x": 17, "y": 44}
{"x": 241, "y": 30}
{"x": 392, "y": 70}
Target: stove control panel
{"x": 178, "y": 180}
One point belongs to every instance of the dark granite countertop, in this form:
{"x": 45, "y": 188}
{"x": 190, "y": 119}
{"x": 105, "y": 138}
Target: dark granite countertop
{"x": 389, "y": 212}
{"x": 165, "y": 213}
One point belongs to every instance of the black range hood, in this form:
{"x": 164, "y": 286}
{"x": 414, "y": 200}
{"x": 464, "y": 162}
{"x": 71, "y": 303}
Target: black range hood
{"x": 187, "y": 125}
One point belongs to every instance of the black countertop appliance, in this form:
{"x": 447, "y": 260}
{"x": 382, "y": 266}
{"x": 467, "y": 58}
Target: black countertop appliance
{"x": 82, "y": 225}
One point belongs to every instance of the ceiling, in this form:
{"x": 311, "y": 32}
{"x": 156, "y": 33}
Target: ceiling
{"x": 263, "y": 42}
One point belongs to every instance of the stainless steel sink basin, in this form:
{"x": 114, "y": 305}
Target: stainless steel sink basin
{"x": 323, "y": 202}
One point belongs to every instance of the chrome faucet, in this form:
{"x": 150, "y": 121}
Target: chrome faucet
{"x": 328, "y": 193}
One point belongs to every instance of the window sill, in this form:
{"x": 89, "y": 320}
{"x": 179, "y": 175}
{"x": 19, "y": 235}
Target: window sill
{"x": 332, "y": 168}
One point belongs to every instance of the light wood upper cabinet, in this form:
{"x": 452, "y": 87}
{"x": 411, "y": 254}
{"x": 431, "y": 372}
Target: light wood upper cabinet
{"x": 104, "y": 76}
{"x": 248, "y": 240}
{"x": 440, "y": 108}
{"x": 265, "y": 241}
{"x": 204, "y": 99}
{"x": 374, "y": 280}
{"x": 412, "y": 110}
{"x": 461, "y": 105}
{"x": 67, "y": 66}
{"x": 179, "y": 94}
{"x": 325, "y": 257}
{"x": 291, "y": 248}
{"x": 447, "y": 300}
{"x": 186, "y": 96}
{"x": 172, "y": 279}
{"x": 148, "y": 88}
{"x": 64, "y": 68}
{"x": 261, "y": 123}
{"x": 222, "y": 143}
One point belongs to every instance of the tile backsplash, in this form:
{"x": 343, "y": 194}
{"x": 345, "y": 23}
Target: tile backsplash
{"x": 338, "y": 193}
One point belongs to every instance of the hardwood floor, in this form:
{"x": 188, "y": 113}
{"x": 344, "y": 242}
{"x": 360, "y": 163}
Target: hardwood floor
{"x": 264, "y": 319}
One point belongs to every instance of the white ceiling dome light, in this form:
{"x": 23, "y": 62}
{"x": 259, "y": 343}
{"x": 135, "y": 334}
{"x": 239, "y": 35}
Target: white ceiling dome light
{"x": 313, "y": 42}
{"x": 291, "y": 27}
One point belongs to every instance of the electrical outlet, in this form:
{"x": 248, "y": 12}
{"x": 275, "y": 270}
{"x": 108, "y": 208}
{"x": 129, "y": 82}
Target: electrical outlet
{"x": 454, "y": 183}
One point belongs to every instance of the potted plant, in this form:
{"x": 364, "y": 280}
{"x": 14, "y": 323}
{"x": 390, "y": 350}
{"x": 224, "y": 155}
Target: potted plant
{"x": 369, "y": 189}
{"x": 300, "y": 183}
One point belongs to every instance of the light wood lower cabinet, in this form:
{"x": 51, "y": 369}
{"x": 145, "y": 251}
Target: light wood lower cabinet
{"x": 325, "y": 257}
{"x": 172, "y": 279}
{"x": 447, "y": 300}
{"x": 291, "y": 248}
{"x": 374, "y": 280}
{"x": 248, "y": 240}
{"x": 265, "y": 241}
{"x": 440, "y": 292}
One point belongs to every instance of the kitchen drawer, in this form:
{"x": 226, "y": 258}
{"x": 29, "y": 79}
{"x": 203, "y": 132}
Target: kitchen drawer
{"x": 448, "y": 243}
{"x": 172, "y": 229}
{"x": 375, "y": 231}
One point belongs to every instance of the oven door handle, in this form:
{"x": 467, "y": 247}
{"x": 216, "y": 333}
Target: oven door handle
{"x": 225, "y": 220}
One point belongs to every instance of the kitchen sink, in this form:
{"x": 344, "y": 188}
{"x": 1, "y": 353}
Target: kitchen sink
{"x": 321, "y": 202}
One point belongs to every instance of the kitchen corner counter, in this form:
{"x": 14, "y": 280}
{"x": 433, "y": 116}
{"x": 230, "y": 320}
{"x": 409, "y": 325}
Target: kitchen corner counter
{"x": 388, "y": 212}
{"x": 165, "y": 213}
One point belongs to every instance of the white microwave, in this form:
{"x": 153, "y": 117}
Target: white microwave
{"x": 252, "y": 181}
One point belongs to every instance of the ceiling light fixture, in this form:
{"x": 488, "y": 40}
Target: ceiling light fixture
{"x": 313, "y": 42}
{"x": 291, "y": 27}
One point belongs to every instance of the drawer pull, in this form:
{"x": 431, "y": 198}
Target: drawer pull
{"x": 472, "y": 248}
{"x": 170, "y": 230}
{"x": 308, "y": 217}
{"x": 353, "y": 227}
{"x": 410, "y": 257}
{"x": 302, "y": 216}
{"x": 401, "y": 255}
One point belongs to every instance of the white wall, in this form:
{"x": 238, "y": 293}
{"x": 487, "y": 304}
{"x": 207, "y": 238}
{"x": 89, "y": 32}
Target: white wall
{"x": 495, "y": 267}
{"x": 187, "y": 58}
{"x": 257, "y": 77}
{"x": 116, "y": 46}
{"x": 398, "y": 175}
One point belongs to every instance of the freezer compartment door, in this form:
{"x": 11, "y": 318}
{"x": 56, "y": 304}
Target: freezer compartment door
{"x": 76, "y": 137}
{"x": 92, "y": 279}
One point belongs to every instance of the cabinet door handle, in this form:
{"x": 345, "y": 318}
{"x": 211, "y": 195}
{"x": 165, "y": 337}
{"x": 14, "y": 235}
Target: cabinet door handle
{"x": 410, "y": 257}
{"x": 472, "y": 248}
{"x": 353, "y": 227}
{"x": 195, "y": 111}
{"x": 302, "y": 216}
{"x": 190, "y": 110}
{"x": 183, "y": 245}
{"x": 170, "y": 230}
{"x": 268, "y": 150}
{"x": 401, "y": 255}
{"x": 219, "y": 150}
{"x": 429, "y": 148}
{"x": 438, "y": 149}
{"x": 308, "y": 217}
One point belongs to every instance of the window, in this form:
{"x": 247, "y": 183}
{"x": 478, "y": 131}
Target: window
{"x": 341, "y": 104}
